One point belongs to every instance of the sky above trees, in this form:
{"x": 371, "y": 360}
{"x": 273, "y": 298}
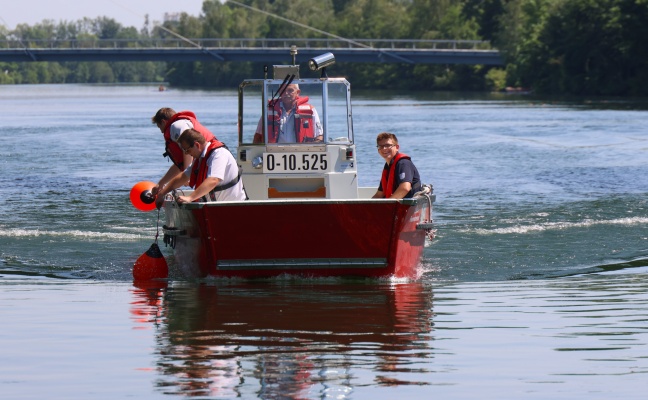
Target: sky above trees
{"x": 127, "y": 13}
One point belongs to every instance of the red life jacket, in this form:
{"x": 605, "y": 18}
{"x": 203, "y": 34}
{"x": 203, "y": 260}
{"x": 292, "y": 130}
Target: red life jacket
{"x": 199, "y": 166}
{"x": 387, "y": 179}
{"x": 172, "y": 149}
{"x": 303, "y": 120}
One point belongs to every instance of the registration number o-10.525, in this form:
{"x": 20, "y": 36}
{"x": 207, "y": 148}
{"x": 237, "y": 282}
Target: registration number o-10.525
{"x": 294, "y": 162}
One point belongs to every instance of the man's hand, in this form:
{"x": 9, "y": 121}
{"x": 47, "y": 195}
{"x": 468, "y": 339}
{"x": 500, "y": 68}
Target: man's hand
{"x": 183, "y": 199}
{"x": 159, "y": 200}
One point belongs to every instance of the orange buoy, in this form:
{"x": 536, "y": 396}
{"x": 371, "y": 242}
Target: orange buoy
{"x": 150, "y": 265}
{"x": 141, "y": 196}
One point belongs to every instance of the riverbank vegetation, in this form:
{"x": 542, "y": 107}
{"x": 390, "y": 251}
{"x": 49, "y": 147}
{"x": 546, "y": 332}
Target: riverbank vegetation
{"x": 577, "y": 47}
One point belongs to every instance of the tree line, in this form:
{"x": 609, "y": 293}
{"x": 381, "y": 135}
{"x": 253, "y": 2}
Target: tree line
{"x": 565, "y": 47}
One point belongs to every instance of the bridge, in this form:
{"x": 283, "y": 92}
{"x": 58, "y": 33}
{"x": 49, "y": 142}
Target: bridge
{"x": 260, "y": 50}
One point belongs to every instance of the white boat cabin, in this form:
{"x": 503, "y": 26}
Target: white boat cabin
{"x": 322, "y": 168}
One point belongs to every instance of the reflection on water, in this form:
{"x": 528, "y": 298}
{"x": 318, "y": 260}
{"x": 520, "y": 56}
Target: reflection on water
{"x": 285, "y": 340}
{"x": 562, "y": 338}
{"x": 539, "y": 267}
{"x": 580, "y": 337}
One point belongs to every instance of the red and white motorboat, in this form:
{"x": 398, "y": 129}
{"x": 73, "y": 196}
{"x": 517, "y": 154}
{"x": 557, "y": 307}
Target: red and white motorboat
{"x": 306, "y": 214}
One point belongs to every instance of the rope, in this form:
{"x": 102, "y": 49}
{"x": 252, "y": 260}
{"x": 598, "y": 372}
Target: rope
{"x": 157, "y": 226}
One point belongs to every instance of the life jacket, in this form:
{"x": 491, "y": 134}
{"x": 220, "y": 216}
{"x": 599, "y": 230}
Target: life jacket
{"x": 303, "y": 120}
{"x": 199, "y": 170}
{"x": 387, "y": 181}
{"x": 172, "y": 149}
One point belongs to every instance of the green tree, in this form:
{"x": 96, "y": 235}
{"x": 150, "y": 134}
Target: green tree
{"x": 487, "y": 14}
{"x": 231, "y": 21}
{"x": 374, "y": 19}
{"x": 586, "y": 47}
{"x": 100, "y": 72}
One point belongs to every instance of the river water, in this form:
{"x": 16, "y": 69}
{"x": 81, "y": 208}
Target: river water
{"x": 536, "y": 285}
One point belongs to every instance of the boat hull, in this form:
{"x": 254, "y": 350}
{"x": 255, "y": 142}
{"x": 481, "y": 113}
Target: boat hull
{"x": 320, "y": 238}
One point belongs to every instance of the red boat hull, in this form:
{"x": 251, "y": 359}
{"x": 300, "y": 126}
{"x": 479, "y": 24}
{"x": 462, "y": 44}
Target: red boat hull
{"x": 368, "y": 238}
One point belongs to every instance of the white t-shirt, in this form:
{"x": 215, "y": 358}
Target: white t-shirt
{"x": 222, "y": 165}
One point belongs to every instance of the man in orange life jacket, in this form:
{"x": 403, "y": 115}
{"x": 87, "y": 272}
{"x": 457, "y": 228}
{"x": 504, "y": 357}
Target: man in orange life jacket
{"x": 213, "y": 174}
{"x": 291, "y": 120}
{"x": 400, "y": 178}
{"x": 172, "y": 124}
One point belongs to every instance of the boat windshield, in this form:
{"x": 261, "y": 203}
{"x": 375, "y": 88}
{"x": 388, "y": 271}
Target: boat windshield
{"x": 304, "y": 112}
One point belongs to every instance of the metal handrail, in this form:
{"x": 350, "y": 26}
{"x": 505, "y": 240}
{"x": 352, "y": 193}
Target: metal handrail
{"x": 89, "y": 43}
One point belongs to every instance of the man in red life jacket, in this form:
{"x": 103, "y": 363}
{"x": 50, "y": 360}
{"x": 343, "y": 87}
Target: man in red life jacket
{"x": 400, "y": 178}
{"x": 291, "y": 120}
{"x": 172, "y": 124}
{"x": 213, "y": 174}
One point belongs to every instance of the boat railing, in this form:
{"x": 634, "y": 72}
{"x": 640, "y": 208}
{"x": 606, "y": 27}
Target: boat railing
{"x": 269, "y": 43}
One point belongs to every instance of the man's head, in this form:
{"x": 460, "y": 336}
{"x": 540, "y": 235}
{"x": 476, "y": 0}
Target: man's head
{"x": 178, "y": 128}
{"x": 387, "y": 145}
{"x": 187, "y": 142}
{"x": 162, "y": 116}
{"x": 290, "y": 95}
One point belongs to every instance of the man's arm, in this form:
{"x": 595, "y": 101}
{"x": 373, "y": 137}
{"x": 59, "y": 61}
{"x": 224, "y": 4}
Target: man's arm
{"x": 400, "y": 193}
{"x": 207, "y": 186}
{"x": 258, "y": 134}
{"x": 180, "y": 179}
{"x": 170, "y": 174}
{"x": 318, "y": 132}
{"x": 402, "y": 190}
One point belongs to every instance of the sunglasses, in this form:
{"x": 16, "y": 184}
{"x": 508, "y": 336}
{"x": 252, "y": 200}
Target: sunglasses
{"x": 385, "y": 146}
{"x": 188, "y": 149}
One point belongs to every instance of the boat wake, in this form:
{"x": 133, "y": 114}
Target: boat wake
{"x": 553, "y": 226}
{"x": 23, "y": 233}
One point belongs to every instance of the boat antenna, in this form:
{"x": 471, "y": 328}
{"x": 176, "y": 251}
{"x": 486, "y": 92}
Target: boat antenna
{"x": 403, "y": 59}
{"x": 280, "y": 91}
{"x": 281, "y": 88}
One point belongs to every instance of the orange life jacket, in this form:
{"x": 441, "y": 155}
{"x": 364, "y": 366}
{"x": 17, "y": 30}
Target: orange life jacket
{"x": 172, "y": 149}
{"x": 304, "y": 127}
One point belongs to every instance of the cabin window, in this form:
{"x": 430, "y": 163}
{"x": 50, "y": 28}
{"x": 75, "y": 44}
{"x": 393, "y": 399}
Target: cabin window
{"x": 329, "y": 122}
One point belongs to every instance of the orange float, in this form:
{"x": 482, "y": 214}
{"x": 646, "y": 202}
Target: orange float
{"x": 150, "y": 265}
{"x": 141, "y": 196}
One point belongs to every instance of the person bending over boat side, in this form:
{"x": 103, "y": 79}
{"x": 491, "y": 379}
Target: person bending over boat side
{"x": 172, "y": 124}
{"x": 213, "y": 174}
{"x": 291, "y": 119}
{"x": 400, "y": 178}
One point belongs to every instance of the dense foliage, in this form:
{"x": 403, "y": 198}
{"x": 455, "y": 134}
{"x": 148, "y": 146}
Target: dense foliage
{"x": 551, "y": 46}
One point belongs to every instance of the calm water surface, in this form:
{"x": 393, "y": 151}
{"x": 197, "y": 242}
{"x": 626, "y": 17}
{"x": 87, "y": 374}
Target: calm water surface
{"x": 535, "y": 287}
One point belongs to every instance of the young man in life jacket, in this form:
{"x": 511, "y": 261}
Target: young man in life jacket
{"x": 172, "y": 124}
{"x": 400, "y": 178}
{"x": 213, "y": 174}
{"x": 291, "y": 120}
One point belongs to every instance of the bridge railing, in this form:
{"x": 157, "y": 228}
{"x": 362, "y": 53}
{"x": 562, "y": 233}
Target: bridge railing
{"x": 93, "y": 43}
